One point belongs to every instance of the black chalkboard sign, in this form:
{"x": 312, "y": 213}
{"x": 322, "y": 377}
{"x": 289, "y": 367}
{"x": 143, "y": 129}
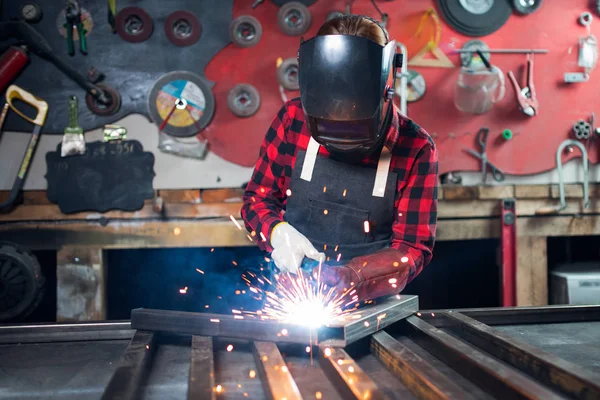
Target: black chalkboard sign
{"x": 109, "y": 176}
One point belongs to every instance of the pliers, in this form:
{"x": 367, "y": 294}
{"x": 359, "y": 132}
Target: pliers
{"x": 526, "y": 97}
{"x": 482, "y": 137}
{"x": 73, "y": 17}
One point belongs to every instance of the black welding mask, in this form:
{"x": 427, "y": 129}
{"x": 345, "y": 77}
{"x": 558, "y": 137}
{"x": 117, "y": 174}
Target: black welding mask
{"x": 347, "y": 87}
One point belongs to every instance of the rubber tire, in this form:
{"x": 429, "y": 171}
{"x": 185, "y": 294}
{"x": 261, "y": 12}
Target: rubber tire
{"x": 280, "y": 3}
{"x": 306, "y": 16}
{"x": 526, "y": 10}
{"x": 472, "y": 25}
{"x": 282, "y": 77}
{"x": 247, "y": 111}
{"x": 245, "y": 19}
{"x": 30, "y": 265}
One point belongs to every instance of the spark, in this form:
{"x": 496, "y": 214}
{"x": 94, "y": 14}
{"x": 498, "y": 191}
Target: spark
{"x": 230, "y": 348}
{"x": 184, "y": 290}
{"x": 351, "y": 369}
{"x": 344, "y": 194}
{"x": 367, "y": 227}
{"x": 393, "y": 280}
{"x": 235, "y": 222}
{"x": 237, "y": 292}
{"x": 328, "y": 352}
{"x": 325, "y": 212}
{"x": 308, "y": 349}
{"x": 433, "y": 314}
{"x": 318, "y": 395}
{"x": 336, "y": 247}
{"x": 398, "y": 296}
{"x": 206, "y": 306}
{"x": 238, "y": 317}
{"x": 367, "y": 323}
{"x": 284, "y": 368}
{"x": 234, "y": 263}
{"x": 267, "y": 259}
{"x": 219, "y": 388}
{"x": 245, "y": 394}
{"x": 239, "y": 386}
{"x": 324, "y": 189}
{"x": 199, "y": 270}
{"x": 253, "y": 233}
{"x": 324, "y": 247}
{"x": 262, "y": 236}
{"x": 147, "y": 347}
{"x": 395, "y": 264}
{"x": 404, "y": 259}
{"x": 339, "y": 256}
{"x": 262, "y": 190}
{"x": 418, "y": 314}
{"x": 249, "y": 238}
{"x": 399, "y": 214}
{"x": 214, "y": 320}
{"x": 252, "y": 374}
{"x": 288, "y": 192}
{"x": 176, "y": 231}
{"x": 213, "y": 249}
{"x": 340, "y": 361}
{"x": 236, "y": 311}
{"x": 394, "y": 285}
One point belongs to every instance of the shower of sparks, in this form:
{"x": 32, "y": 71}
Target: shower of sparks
{"x": 300, "y": 300}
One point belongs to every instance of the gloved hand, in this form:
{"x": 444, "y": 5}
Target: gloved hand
{"x": 290, "y": 247}
{"x": 375, "y": 275}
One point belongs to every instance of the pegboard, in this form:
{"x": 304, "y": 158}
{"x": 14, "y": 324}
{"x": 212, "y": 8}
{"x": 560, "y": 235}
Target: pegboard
{"x": 531, "y": 150}
{"x": 130, "y": 68}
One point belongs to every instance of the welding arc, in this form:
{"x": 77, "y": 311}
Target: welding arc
{"x": 197, "y": 93}
{"x": 182, "y": 28}
{"x": 134, "y": 24}
{"x": 477, "y": 20}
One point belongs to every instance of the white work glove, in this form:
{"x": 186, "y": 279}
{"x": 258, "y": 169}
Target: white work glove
{"x": 290, "y": 247}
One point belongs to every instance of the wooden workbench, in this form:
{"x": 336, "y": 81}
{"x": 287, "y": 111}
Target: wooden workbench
{"x": 201, "y": 218}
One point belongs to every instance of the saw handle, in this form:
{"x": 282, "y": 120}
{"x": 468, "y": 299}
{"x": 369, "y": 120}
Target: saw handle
{"x": 14, "y": 92}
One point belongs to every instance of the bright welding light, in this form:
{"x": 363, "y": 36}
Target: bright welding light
{"x": 310, "y": 313}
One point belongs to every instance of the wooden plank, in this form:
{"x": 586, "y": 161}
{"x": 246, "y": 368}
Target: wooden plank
{"x": 496, "y": 192}
{"x": 575, "y": 191}
{"x": 440, "y": 192}
{"x": 275, "y": 376}
{"x": 532, "y": 271}
{"x": 170, "y": 210}
{"x": 532, "y": 191}
{"x": 222, "y": 195}
{"x": 460, "y": 192}
{"x": 468, "y": 209}
{"x": 201, "y": 381}
{"x": 80, "y": 284}
{"x": 180, "y": 196}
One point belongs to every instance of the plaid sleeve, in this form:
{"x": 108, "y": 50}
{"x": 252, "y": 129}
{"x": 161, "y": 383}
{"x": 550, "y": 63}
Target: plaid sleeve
{"x": 264, "y": 198}
{"x": 416, "y": 211}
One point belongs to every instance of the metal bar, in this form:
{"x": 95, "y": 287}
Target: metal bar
{"x": 485, "y": 371}
{"x": 524, "y": 315}
{"x": 553, "y": 371}
{"x": 67, "y": 332}
{"x": 226, "y": 325}
{"x": 505, "y": 51}
{"x": 274, "y": 373}
{"x": 126, "y": 379}
{"x": 202, "y": 369}
{"x": 349, "y": 379}
{"x": 421, "y": 378}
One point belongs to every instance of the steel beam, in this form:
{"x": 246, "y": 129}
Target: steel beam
{"x": 421, "y": 378}
{"x": 523, "y": 315}
{"x": 485, "y": 371}
{"x": 349, "y": 379}
{"x": 275, "y": 376}
{"x": 126, "y": 379}
{"x": 201, "y": 382}
{"x": 340, "y": 333}
{"x": 65, "y": 332}
{"x": 553, "y": 371}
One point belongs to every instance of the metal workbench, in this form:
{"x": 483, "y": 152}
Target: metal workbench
{"x": 505, "y": 353}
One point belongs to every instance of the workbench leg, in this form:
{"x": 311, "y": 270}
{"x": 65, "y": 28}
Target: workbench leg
{"x": 532, "y": 271}
{"x": 80, "y": 284}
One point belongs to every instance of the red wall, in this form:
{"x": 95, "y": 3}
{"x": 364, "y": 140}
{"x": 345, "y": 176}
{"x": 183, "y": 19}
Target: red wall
{"x": 554, "y": 27}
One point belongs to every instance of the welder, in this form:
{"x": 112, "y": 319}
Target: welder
{"x": 342, "y": 177}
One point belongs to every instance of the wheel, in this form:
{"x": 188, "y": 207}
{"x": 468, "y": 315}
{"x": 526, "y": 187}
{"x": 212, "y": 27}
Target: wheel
{"x": 245, "y": 31}
{"x": 525, "y": 7}
{"x": 21, "y": 282}
{"x": 475, "y": 17}
{"x": 294, "y": 18}
{"x": 182, "y": 28}
{"x": 114, "y": 103}
{"x": 243, "y": 100}
{"x": 287, "y": 74}
{"x": 134, "y": 24}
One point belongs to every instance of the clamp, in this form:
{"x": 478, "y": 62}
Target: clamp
{"x": 526, "y": 96}
{"x": 73, "y": 17}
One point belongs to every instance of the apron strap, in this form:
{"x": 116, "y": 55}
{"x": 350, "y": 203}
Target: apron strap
{"x": 309, "y": 160}
{"x": 383, "y": 166}
{"x": 383, "y": 169}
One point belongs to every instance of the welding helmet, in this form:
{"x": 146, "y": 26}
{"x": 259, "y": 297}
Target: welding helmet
{"x": 346, "y": 88}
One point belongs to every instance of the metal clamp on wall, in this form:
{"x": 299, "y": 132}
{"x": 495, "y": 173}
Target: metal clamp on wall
{"x": 586, "y": 194}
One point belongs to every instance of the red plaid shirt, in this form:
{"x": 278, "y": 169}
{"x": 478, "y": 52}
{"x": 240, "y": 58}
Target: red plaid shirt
{"x": 414, "y": 159}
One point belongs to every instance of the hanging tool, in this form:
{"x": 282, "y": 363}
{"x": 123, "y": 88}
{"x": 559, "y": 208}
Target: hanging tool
{"x": 14, "y": 92}
{"x": 561, "y": 184}
{"x": 482, "y": 137}
{"x": 73, "y": 141}
{"x": 12, "y": 62}
{"x": 73, "y": 17}
{"x": 25, "y": 34}
{"x": 526, "y": 96}
{"x": 441, "y": 60}
{"x": 509, "y": 253}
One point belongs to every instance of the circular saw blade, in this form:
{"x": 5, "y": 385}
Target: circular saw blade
{"x": 195, "y": 90}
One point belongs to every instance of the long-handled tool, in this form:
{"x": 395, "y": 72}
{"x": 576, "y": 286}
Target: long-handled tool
{"x": 14, "y": 92}
{"x": 73, "y": 22}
